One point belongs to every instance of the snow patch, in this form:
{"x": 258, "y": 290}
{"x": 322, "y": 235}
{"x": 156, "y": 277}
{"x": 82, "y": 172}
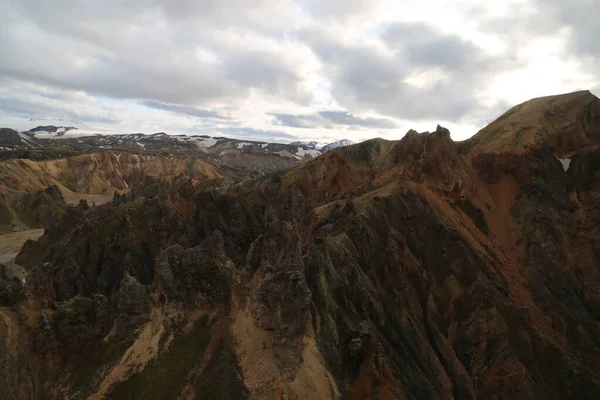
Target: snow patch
{"x": 286, "y": 153}
{"x": 71, "y": 134}
{"x": 26, "y": 139}
{"x": 565, "y": 163}
{"x": 312, "y": 153}
{"x": 210, "y": 142}
{"x": 264, "y": 145}
{"x": 243, "y": 144}
{"x": 44, "y": 135}
{"x": 118, "y": 157}
{"x": 335, "y": 145}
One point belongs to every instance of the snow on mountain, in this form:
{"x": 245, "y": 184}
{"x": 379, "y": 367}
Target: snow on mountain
{"x": 60, "y": 124}
{"x": 311, "y": 152}
{"x": 313, "y": 145}
{"x": 57, "y": 128}
{"x": 323, "y": 146}
{"x": 335, "y": 145}
{"x": 209, "y": 142}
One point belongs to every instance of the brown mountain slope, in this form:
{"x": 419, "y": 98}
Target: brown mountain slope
{"x": 100, "y": 173}
{"x": 25, "y": 201}
{"x": 564, "y": 123}
{"x": 392, "y": 270}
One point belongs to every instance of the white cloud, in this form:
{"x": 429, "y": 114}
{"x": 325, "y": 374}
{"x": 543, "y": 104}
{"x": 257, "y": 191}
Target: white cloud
{"x": 230, "y": 65}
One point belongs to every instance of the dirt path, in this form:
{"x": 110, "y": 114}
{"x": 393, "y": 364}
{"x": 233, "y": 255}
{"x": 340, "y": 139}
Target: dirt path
{"x": 11, "y": 243}
{"x": 73, "y": 198}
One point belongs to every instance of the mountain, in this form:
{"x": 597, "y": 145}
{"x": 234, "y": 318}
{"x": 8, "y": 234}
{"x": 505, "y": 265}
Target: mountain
{"x": 11, "y": 140}
{"x": 236, "y": 153}
{"x": 565, "y": 123}
{"x": 335, "y": 145}
{"x": 421, "y": 268}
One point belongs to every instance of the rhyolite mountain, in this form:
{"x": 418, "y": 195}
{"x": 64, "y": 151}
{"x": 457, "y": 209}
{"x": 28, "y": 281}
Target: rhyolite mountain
{"x": 414, "y": 269}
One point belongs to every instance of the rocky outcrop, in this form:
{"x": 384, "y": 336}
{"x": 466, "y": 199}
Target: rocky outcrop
{"x": 11, "y": 288}
{"x": 199, "y": 275}
{"x": 130, "y": 302}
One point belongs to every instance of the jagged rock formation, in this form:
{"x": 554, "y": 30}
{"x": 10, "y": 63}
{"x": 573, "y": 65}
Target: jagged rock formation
{"x": 421, "y": 268}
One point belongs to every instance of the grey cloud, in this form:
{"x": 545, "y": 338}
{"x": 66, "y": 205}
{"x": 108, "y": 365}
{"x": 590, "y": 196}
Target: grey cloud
{"x": 185, "y": 110}
{"x": 422, "y": 46}
{"x": 266, "y": 71}
{"x": 23, "y": 108}
{"x": 298, "y": 121}
{"x": 346, "y": 118}
{"x": 188, "y": 55}
{"x": 339, "y": 9}
{"x": 366, "y": 79}
{"x": 331, "y": 119}
{"x": 258, "y": 134}
{"x": 139, "y": 49}
{"x": 546, "y": 18}
{"x": 581, "y": 17}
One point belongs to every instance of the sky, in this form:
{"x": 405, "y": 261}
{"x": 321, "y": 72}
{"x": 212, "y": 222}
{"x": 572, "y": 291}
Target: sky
{"x": 284, "y": 70}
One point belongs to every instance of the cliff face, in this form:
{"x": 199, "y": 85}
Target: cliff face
{"x": 419, "y": 268}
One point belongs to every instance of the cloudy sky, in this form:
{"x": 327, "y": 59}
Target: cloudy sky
{"x": 282, "y": 69}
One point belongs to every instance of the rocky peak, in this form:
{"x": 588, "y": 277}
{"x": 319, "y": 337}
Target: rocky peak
{"x": 11, "y": 288}
{"x": 564, "y": 124}
{"x": 442, "y": 132}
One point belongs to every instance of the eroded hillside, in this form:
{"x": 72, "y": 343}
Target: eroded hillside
{"x": 25, "y": 192}
{"x": 420, "y": 268}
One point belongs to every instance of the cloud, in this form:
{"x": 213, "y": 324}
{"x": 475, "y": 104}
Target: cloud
{"x": 143, "y": 49}
{"x": 214, "y": 65}
{"x": 580, "y": 17}
{"x": 258, "y": 134}
{"x": 185, "y": 110}
{"x": 32, "y": 109}
{"x": 414, "y": 72}
{"x": 298, "y": 121}
{"x": 332, "y": 120}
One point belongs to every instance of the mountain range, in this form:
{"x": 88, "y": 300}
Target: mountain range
{"x": 420, "y": 268}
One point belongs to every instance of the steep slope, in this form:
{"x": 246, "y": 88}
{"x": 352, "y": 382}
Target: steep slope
{"x": 11, "y": 139}
{"x": 392, "y": 270}
{"x": 564, "y": 123}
